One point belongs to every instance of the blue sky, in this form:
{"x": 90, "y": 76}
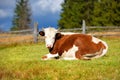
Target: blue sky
{"x": 45, "y": 12}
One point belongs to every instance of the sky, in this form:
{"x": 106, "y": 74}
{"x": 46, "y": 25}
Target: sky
{"x": 45, "y": 12}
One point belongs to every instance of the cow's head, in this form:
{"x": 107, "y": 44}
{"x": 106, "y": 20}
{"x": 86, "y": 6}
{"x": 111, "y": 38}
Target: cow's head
{"x": 51, "y": 34}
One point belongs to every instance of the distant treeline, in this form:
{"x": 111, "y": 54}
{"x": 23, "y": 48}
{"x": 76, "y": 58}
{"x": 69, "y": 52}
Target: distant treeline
{"x": 94, "y": 12}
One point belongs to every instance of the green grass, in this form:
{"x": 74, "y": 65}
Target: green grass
{"x": 24, "y": 63}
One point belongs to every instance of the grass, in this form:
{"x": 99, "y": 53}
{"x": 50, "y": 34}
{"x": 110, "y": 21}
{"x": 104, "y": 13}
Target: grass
{"x": 24, "y": 63}
{"x": 14, "y": 39}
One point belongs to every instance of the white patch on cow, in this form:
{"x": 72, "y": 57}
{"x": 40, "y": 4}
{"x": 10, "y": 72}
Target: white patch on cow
{"x": 50, "y": 36}
{"x": 96, "y": 40}
{"x": 70, "y": 54}
{"x": 68, "y": 33}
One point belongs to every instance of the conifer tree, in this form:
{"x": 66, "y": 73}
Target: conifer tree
{"x": 22, "y": 15}
{"x": 94, "y": 12}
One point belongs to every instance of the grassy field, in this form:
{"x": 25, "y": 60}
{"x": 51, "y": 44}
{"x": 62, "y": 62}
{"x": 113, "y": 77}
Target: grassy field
{"x": 24, "y": 63}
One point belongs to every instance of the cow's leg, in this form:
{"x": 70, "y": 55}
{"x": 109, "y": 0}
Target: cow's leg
{"x": 69, "y": 54}
{"x": 79, "y": 55}
{"x": 49, "y": 56}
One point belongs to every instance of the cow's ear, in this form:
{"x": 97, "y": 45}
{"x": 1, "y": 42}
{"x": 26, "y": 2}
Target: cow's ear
{"x": 42, "y": 33}
{"x": 58, "y": 35}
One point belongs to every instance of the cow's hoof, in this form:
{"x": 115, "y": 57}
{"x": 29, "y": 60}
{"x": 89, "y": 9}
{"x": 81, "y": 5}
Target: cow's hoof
{"x": 44, "y": 58}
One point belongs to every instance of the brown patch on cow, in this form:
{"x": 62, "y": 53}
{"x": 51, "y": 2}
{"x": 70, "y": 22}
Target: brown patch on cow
{"x": 62, "y": 44}
{"x": 86, "y": 46}
{"x": 83, "y": 42}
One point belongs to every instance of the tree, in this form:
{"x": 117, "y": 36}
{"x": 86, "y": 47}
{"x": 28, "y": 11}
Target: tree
{"x": 106, "y": 13}
{"x": 94, "y": 12}
{"x": 22, "y": 16}
{"x": 74, "y": 11}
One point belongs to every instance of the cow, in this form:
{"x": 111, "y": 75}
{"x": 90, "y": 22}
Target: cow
{"x": 72, "y": 46}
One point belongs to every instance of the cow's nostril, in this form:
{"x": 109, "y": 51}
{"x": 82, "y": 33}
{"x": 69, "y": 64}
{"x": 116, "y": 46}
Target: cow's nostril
{"x": 49, "y": 46}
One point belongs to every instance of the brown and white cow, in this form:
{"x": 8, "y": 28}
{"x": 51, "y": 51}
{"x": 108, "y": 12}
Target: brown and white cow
{"x": 72, "y": 46}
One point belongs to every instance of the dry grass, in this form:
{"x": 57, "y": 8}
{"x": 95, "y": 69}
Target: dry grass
{"x": 16, "y": 39}
{"x": 105, "y": 33}
{"x": 13, "y": 39}
{"x": 10, "y": 39}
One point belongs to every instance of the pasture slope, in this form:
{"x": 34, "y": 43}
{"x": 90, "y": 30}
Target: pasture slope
{"x": 24, "y": 63}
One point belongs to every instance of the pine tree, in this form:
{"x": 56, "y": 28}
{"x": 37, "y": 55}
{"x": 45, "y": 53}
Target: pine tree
{"x": 106, "y": 13}
{"x": 74, "y": 11}
{"x": 22, "y": 16}
{"x": 94, "y": 12}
